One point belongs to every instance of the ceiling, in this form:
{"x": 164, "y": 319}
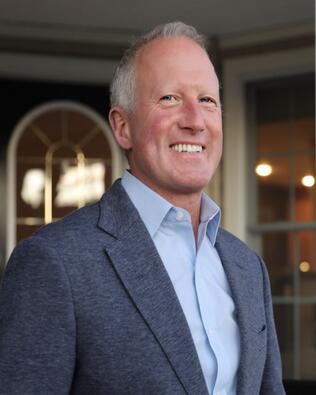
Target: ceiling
{"x": 43, "y": 39}
{"x": 211, "y": 17}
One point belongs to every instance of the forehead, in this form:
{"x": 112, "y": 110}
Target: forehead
{"x": 170, "y": 57}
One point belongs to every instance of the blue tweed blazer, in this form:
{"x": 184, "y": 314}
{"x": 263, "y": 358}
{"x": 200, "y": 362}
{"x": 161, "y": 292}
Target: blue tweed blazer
{"x": 87, "y": 307}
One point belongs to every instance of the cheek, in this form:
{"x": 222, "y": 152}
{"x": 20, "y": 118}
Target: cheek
{"x": 216, "y": 128}
{"x": 216, "y": 136}
{"x": 156, "y": 129}
{"x": 218, "y": 142}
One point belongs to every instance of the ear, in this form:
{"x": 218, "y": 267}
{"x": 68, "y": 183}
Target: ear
{"x": 120, "y": 126}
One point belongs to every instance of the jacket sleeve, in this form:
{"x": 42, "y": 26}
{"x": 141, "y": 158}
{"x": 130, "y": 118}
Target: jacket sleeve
{"x": 272, "y": 374}
{"x": 37, "y": 323}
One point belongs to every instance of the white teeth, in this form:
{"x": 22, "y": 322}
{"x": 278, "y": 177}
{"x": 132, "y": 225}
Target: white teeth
{"x": 187, "y": 148}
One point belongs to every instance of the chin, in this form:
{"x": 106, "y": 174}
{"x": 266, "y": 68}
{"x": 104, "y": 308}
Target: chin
{"x": 195, "y": 186}
{"x": 194, "y": 182}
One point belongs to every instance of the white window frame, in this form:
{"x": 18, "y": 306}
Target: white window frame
{"x": 236, "y": 73}
{"x": 118, "y": 159}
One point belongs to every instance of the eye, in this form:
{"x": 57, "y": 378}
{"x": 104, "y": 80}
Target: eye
{"x": 209, "y": 101}
{"x": 168, "y": 98}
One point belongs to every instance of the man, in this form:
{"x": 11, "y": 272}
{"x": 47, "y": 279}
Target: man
{"x": 142, "y": 293}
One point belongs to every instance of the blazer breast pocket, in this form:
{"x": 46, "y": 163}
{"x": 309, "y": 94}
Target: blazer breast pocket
{"x": 259, "y": 336}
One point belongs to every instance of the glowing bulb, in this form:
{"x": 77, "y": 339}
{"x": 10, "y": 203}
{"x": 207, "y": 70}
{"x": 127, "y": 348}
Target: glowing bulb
{"x": 263, "y": 170}
{"x": 308, "y": 180}
{"x": 304, "y": 266}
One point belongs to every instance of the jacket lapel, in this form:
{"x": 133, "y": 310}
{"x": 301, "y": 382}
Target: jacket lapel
{"x": 242, "y": 275}
{"x": 143, "y": 274}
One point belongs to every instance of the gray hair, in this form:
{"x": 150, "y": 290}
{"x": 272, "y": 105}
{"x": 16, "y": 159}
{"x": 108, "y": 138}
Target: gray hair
{"x": 123, "y": 86}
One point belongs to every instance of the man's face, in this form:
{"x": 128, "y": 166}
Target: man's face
{"x": 175, "y": 129}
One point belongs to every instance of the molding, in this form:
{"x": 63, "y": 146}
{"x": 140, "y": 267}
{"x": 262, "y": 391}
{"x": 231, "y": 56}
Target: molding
{"x": 102, "y": 43}
{"x": 268, "y": 35}
{"x": 60, "y": 31}
{"x": 268, "y": 41}
{"x": 90, "y": 54}
{"x": 307, "y": 40}
{"x": 62, "y": 40}
{"x": 57, "y": 68}
{"x": 69, "y": 48}
{"x": 60, "y": 53}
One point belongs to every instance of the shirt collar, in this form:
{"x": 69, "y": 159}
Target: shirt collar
{"x": 153, "y": 208}
{"x": 210, "y": 216}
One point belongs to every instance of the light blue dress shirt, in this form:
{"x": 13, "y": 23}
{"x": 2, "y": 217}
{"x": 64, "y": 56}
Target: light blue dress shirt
{"x": 198, "y": 278}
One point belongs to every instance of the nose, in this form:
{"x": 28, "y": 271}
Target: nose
{"x": 192, "y": 118}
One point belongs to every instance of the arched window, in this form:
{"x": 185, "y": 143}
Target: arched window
{"x": 61, "y": 156}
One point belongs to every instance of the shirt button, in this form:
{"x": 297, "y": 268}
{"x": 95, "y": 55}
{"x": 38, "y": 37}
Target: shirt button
{"x": 179, "y": 216}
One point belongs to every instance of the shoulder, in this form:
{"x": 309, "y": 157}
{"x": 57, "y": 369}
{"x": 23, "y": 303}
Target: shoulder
{"x": 61, "y": 234}
{"x": 81, "y": 224}
{"x": 75, "y": 240}
{"x": 53, "y": 243}
{"x": 54, "y": 239}
{"x": 234, "y": 243}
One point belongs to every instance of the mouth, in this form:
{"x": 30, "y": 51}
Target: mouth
{"x": 191, "y": 148}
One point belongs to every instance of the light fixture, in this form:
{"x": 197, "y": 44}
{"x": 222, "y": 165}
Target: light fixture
{"x": 308, "y": 180}
{"x": 263, "y": 169}
{"x": 304, "y": 266}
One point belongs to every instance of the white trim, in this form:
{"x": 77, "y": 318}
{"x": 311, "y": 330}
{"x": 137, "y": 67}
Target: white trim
{"x": 236, "y": 73}
{"x": 59, "y": 67}
{"x": 118, "y": 160}
{"x": 56, "y": 68}
{"x": 63, "y": 32}
{"x": 268, "y": 35}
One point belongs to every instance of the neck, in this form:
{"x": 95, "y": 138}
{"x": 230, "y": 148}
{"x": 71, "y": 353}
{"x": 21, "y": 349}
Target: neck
{"x": 190, "y": 202}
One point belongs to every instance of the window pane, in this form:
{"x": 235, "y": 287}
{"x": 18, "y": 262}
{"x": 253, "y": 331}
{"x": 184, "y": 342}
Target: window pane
{"x": 32, "y": 144}
{"x": 74, "y": 187}
{"x": 307, "y": 263}
{"x": 305, "y": 190}
{"x": 272, "y": 102}
{"x": 277, "y": 253}
{"x": 51, "y": 125}
{"x": 284, "y": 327}
{"x": 304, "y": 97}
{"x": 79, "y": 126}
{"x": 308, "y": 342}
{"x": 304, "y": 133}
{"x": 62, "y": 201}
{"x": 95, "y": 146}
{"x": 273, "y": 191}
{"x": 23, "y": 231}
{"x": 278, "y": 132}
{"x": 30, "y": 182}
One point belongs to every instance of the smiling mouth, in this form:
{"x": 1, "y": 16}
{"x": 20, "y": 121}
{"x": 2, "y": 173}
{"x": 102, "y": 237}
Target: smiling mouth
{"x": 187, "y": 148}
